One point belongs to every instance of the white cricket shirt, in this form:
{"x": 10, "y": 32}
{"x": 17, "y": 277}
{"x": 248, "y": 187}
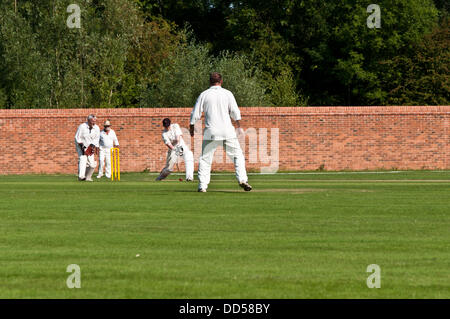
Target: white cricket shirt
{"x": 87, "y": 136}
{"x": 108, "y": 140}
{"x": 170, "y": 136}
{"x": 219, "y": 106}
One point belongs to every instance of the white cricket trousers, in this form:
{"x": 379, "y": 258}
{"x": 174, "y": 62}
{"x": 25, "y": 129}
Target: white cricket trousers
{"x": 172, "y": 159}
{"x": 105, "y": 161}
{"x": 233, "y": 150}
{"x": 84, "y": 162}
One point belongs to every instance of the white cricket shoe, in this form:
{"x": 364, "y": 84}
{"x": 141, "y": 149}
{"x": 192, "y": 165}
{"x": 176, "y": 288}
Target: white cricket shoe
{"x": 202, "y": 190}
{"x": 99, "y": 176}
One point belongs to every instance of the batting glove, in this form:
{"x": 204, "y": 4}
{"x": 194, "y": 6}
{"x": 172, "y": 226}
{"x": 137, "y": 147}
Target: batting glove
{"x": 179, "y": 150}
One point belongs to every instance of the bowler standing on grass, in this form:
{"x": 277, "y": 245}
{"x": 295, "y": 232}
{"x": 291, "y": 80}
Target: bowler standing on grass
{"x": 108, "y": 140}
{"x": 219, "y": 106}
{"x": 173, "y": 139}
{"x": 87, "y": 140}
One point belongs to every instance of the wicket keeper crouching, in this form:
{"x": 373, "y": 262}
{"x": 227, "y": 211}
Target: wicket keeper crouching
{"x": 173, "y": 138}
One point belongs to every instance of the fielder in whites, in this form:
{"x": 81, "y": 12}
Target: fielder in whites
{"x": 108, "y": 140}
{"x": 87, "y": 143}
{"x": 219, "y": 106}
{"x": 173, "y": 138}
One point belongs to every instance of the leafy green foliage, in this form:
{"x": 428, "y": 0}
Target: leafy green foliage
{"x": 185, "y": 74}
{"x": 423, "y": 76}
{"x": 283, "y": 91}
{"x": 180, "y": 79}
{"x": 25, "y": 79}
{"x": 333, "y": 56}
{"x": 285, "y": 52}
{"x": 103, "y": 64}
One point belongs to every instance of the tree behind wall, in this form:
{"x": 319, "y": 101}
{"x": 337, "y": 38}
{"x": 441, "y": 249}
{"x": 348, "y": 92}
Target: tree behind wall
{"x": 184, "y": 75}
{"x": 44, "y": 64}
{"x": 423, "y": 76}
{"x": 326, "y": 46}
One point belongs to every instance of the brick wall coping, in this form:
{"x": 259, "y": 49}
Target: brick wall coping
{"x": 254, "y": 111}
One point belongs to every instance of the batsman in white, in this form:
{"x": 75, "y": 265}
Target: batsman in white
{"x": 108, "y": 140}
{"x": 173, "y": 138}
{"x": 87, "y": 140}
{"x": 219, "y": 106}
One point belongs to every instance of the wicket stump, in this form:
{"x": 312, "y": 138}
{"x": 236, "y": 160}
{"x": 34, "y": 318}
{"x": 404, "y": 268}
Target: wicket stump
{"x": 115, "y": 164}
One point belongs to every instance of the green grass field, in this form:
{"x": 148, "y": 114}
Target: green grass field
{"x": 294, "y": 236}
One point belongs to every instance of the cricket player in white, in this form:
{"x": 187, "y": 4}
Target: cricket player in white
{"x": 173, "y": 138}
{"x": 108, "y": 140}
{"x": 219, "y": 106}
{"x": 87, "y": 143}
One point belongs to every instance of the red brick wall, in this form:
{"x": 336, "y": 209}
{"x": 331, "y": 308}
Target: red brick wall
{"x": 336, "y": 138}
